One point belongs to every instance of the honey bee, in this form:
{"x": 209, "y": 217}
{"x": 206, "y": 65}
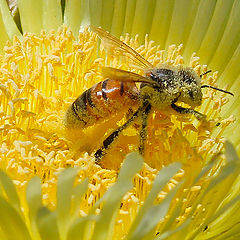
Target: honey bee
{"x": 160, "y": 87}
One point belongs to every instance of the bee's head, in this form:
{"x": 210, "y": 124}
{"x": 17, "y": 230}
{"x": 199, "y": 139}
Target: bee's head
{"x": 190, "y": 89}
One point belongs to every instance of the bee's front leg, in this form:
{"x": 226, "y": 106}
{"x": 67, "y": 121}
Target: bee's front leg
{"x": 182, "y": 110}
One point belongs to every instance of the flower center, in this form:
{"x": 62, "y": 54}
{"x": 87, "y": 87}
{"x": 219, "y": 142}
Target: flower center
{"x": 41, "y": 76}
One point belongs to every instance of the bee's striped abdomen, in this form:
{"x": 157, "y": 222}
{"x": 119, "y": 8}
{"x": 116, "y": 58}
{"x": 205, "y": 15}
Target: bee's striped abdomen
{"x": 100, "y": 102}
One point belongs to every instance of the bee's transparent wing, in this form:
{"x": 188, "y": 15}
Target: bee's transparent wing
{"x": 119, "y": 47}
{"x": 125, "y": 76}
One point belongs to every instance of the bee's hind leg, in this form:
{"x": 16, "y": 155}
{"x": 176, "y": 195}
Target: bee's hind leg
{"x": 113, "y": 136}
{"x": 143, "y": 132}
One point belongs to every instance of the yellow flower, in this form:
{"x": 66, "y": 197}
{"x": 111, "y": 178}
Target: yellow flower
{"x": 185, "y": 188}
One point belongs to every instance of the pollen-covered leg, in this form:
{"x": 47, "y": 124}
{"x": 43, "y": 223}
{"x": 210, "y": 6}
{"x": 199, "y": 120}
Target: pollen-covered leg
{"x": 143, "y": 132}
{"x": 113, "y": 136}
{"x": 182, "y": 110}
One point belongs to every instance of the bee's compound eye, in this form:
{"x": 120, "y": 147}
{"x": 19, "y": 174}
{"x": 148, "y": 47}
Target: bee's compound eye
{"x": 187, "y": 77}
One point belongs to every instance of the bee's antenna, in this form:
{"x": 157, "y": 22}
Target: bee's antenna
{"x": 205, "y": 73}
{"x": 221, "y": 90}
